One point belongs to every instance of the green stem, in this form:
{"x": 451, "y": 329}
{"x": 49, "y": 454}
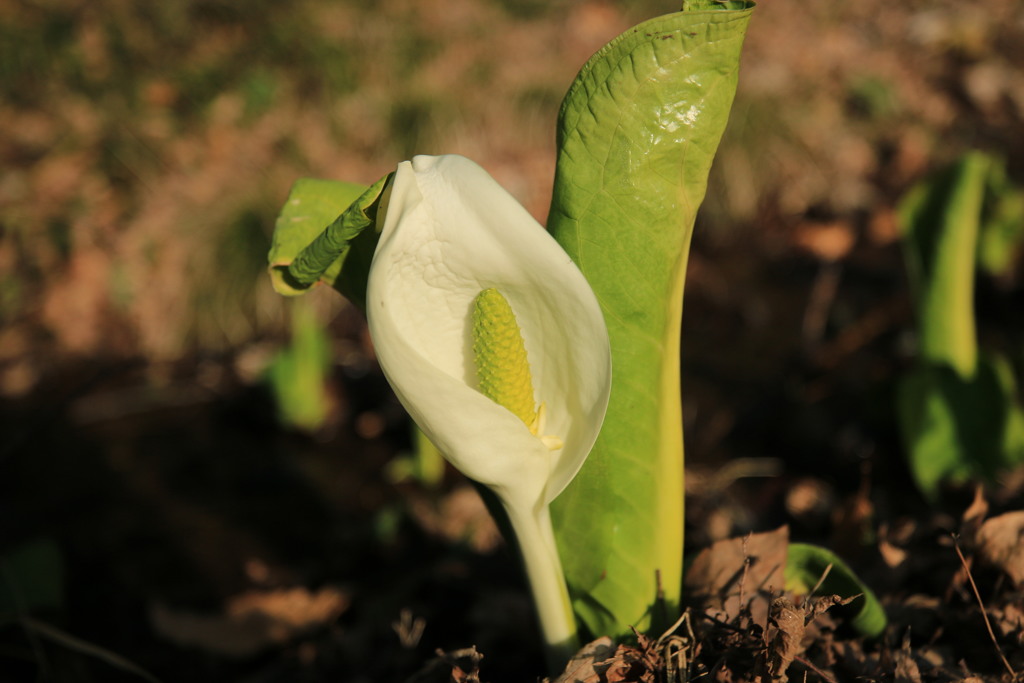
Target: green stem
{"x": 537, "y": 549}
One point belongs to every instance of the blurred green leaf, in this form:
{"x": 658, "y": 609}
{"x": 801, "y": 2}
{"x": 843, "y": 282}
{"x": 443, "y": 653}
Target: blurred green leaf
{"x": 939, "y": 220}
{"x": 297, "y": 376}
{"x": 959, "y": 411}
{"x": 637, "y": 133}
{"x": 260, "y": 90}
{"x": 960, "y": 429}
{"x": 806, "y": 564}
{"x": 424, "y": 465}
{"x": 31, "y": 578}
{"x": 1002, "y": 222}
{"x": 873, "y": 97}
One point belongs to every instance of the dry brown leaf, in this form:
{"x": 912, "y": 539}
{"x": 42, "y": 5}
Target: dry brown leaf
{"x": 1010, "y": 621}
{"x": 580, "y": 668}
{"x": 810, "y": 500}
{"x": 789, "y": 625}
{"x": 786, "y": 630}
{"x": 973, "y": 517}
{"x": 465, "y": 664}
{"x": 906, "y": 669}
{"x": 719, "y": 573}
{"x": 461, "y": 516}
{"x": 723, "y": 675}
{"x": 818, "y": 606}
{"x": 853, "y": 524}
{"x": 455, "y": 666}
{"x": 893, "y": 544}
{"x": 826, "y": 241}
{"x": 891, "y": 555}
{"x": 76, "y": 306}
{"x": 1000, "y": 542}
{"x": 252, "y": 621}
{"x": 630, "y": 665}
{"x": 883, "y": 227}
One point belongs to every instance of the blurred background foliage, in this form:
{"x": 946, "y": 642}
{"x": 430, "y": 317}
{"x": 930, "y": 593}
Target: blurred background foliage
{"x": 146, "y": 148}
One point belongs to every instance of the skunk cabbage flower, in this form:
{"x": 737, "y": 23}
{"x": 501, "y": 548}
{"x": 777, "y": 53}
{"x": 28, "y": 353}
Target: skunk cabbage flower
{"x": 495, "y": 344}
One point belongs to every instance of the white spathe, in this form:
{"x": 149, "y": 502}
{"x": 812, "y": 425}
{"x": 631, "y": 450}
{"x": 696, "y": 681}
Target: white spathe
{"x": 449, "y": 232}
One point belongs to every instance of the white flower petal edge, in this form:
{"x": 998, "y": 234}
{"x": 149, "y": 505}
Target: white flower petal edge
{"x": 449, "y": 232}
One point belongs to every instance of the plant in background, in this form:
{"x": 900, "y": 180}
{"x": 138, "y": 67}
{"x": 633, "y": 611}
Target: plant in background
{"x": 959, "y": 409}
{"x": 297, "y": 375}
{"x": 1001, "y": 232}
{"x": 423, "y": 464}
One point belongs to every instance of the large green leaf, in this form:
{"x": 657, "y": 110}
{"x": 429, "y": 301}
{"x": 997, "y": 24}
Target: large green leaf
{"x": 637, "y": 133}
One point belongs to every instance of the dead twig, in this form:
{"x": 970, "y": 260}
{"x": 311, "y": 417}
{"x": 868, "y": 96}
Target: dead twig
{"x": 981, "y": 604}
{"x": 820, "y": 672}
{"x": 77, "y": 644}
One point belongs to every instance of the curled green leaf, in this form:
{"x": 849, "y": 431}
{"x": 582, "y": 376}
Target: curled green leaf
{"x": 806, "y": 564}
{"x": 304, "y": 253}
